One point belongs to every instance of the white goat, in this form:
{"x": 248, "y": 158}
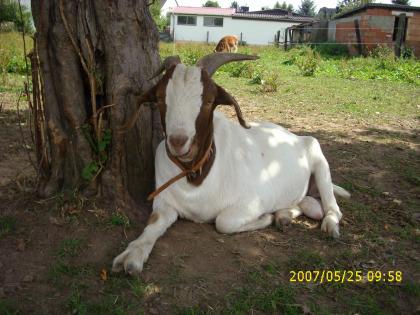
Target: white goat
{"x": 243, "y": 178}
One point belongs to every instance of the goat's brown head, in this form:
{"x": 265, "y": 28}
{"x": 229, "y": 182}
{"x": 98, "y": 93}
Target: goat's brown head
{"x": 186, "y": 97}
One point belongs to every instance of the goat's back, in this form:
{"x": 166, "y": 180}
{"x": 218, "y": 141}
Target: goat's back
{"x": 227, "y": 44}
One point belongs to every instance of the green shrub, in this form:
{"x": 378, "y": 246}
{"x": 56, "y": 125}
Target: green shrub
{"x": 257, "y": 78}
{"x": 16, "y": 64}
{"x": 308, "y": 62}
{"x": 270, "y": 82}
{"x": 407, "y": 53}
{"x": 239, "y": 69}
{"x": 382, "y": 51}
{"x": 9, "y": 12}
{"x": 11, "y": 53}
{"x": 330, "y": 49}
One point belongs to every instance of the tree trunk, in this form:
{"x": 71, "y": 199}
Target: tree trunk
{"x": 96, "y": 58}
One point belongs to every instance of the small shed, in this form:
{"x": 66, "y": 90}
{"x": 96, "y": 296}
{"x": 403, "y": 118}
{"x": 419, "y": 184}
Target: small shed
{"x": 375, "y": 24}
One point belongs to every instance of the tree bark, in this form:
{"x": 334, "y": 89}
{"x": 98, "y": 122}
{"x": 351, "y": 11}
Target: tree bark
{"x": 96, "y": 58}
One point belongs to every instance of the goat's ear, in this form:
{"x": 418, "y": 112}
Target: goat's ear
{"x": 147, "y": 97}
{"x": 224, "y": 98}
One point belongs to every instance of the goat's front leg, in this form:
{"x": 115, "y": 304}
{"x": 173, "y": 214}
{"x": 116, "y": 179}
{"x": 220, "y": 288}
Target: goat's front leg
{"x": 137, "y": 252}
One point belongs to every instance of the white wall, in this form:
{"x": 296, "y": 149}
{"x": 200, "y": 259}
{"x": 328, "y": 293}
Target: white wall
{"x": 254, "y": 32}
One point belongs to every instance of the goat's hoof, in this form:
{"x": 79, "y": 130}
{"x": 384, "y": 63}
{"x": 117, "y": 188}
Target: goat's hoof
{"x": 282, "y": 221}
{"x": 330, "y": 225}
{"x": 131, "y": 261}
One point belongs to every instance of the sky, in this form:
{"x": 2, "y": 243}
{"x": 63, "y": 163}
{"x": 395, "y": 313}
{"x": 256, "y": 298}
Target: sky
{"x": 258, "y": 4}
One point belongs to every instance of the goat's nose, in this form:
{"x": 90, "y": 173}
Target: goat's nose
{"x": 177, "y": 141}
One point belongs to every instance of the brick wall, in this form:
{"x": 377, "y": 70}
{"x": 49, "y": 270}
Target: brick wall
{"x": 376, "y": 29}
{"x": 413, "y": 34}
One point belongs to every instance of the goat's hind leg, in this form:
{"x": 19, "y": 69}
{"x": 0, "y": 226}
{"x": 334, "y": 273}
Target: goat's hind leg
{"x": 309, "y": 206}
{"x": 241, "y": 220}
{"x": 321, "y": 171}
{"x": 284, "y": 217}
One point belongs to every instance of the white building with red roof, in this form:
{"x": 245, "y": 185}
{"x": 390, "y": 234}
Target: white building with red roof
{"x": 206, "y": 24}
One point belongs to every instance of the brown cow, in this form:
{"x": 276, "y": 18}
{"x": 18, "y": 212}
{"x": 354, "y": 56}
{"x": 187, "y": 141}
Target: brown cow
{"x": 227, "y": 44}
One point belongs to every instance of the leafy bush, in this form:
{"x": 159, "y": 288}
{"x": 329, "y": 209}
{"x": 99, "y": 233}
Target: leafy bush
{"x": 308, "y": 62}
{"x": 330, "y": 49}
{"x": 16, "y": 64}
{"x": 270, "y": 82}
{"x": 381, "y": 64}
{"x": 9, "y": 12}
{"x": 11, "y": 53}
{"x": 257, "y": 77}
{"x": 381, "y": 52}
{"x": 239, "y": 69}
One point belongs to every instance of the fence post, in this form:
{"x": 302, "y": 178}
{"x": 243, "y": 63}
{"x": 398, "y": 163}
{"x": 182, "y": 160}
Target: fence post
{"x": 358, "y": 37}
{"x": 207, "y": 37}
{"x": 399, "y": 40}
{"x": 240, "y": 42}
{"x": 291, "y": 37}
{"x": 285, "y": 39}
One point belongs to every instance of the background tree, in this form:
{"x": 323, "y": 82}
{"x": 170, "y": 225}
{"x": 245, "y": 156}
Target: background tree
{"x": 403, "y": 2}
{"x": 160, "y": 21}
{"x": 285, "y": 6}
{"x": 95, "y": 59}
{"x": 307, "y": 7}
{"x": 346, "y": 5}
{"x": 234, "y": 5}
{"x": 213, "y": 4}
{"x": 277, "y": 5}
{"x": 9, "y": 12}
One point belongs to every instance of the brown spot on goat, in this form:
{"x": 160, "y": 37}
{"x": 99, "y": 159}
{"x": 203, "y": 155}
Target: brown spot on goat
{"x": 153, "y": 218}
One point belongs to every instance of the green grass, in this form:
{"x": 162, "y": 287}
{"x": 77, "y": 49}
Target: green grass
{"x": 119, "y": 219}
{"x": 12, "y": 53}
{"x": 8, "y": 307}
{"x": 70, "y": 247}
{"x": 305, "y": 61}
{"x": 110, "y": 301}
{"x": 412, "y": 289}
{"x": 62, "y": 268}
{"x": 259, "y": 295}
{"x": 377, "y": 88}
{"x": 306, "y": 260}
{"x": 7, "y": 225}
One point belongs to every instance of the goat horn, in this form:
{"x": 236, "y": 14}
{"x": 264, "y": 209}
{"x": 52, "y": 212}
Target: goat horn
{"x": 213, "y": 61}
{"x": 166, "y": 64}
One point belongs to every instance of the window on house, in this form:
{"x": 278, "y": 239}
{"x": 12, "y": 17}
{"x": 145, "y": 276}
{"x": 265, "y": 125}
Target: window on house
{"x": 187, "y": 20}
{"x": 213, "y": 21}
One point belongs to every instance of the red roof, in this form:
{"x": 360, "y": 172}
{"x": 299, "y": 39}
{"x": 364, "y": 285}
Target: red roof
{"x": 203, "y": 11}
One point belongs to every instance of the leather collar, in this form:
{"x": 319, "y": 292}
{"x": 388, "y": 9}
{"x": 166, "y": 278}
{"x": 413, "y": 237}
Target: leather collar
{"x": 195, "y": 171}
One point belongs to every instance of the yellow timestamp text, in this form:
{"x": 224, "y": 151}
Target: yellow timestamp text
{"x": 342, "y": 276}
